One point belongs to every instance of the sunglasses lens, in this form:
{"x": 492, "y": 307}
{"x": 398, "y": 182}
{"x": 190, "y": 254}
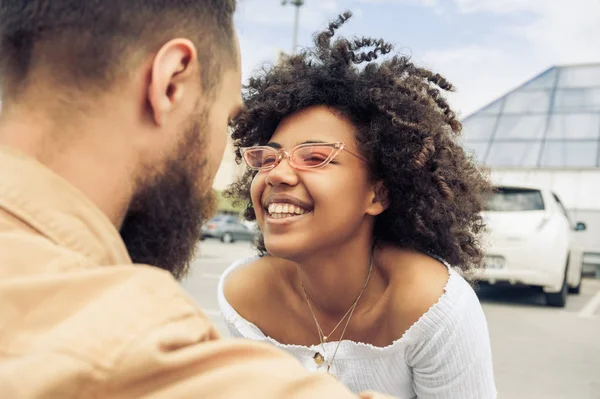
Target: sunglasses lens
{"x": 312, "y": 156}
{"x": 260, "y": 158}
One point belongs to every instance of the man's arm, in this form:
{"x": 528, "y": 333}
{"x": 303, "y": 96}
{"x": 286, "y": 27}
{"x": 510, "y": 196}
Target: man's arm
{"x": 185, "y": 359}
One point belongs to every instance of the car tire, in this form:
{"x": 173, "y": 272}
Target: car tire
{"x": 577, "y": 289}
{"x": 227, "y": 238}
{"x": 559, "y": 299}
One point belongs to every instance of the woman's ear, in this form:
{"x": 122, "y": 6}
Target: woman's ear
{"x": 379, "y": 200}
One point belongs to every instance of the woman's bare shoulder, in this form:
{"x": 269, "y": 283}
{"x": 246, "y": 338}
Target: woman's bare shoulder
{"x": 418, "y": 283}
{"x": 250, "y": 287}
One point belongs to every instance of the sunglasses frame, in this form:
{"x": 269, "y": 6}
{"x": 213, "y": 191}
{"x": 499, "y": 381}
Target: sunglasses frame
{"x": 281, "y": 153}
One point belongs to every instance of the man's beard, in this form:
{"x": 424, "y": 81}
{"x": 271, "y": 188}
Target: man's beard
{"x": 164, "y": 224}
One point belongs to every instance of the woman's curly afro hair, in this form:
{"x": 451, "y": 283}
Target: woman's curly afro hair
{"x": 405, "y": 129}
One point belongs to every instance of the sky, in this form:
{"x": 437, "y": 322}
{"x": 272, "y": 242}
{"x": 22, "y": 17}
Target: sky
{"x": 484, "y": 47}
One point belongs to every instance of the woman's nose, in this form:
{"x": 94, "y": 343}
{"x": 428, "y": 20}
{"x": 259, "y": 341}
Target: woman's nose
{"x": 282, "y": 173}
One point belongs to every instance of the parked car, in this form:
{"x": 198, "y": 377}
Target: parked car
{"x": 228, "y": 229}
{"x": 531, "y": 242}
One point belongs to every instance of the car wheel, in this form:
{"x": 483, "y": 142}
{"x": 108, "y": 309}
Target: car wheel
{"x": 577, "y": 288}
{"x": 227, "y": 238}
{"x": 558, "y": 299}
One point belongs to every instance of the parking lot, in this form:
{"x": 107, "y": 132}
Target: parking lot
{"x": 539, "y": 352}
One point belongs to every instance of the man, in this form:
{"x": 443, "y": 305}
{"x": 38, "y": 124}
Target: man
{"x": 114, "y": 120}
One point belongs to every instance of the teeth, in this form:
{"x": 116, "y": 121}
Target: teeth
{"x": 282, "y": 210}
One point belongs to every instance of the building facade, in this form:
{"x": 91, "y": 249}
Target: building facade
{"x": 547, "y": 133}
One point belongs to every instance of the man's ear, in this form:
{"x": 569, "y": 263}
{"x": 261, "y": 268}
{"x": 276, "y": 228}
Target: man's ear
{"x": 379, "y": 199}
{"x": 174, "y": 73}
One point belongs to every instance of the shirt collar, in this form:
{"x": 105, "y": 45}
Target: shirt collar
{"x": 52, "y": 206}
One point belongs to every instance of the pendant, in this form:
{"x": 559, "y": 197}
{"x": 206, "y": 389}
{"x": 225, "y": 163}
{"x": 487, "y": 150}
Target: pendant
{"x": 325, "y": 338}
{"x": 318, "y": 358}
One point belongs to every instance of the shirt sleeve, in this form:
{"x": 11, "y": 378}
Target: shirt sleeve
{"x": 450, "y": 353}
{"x": 186, "y": 359}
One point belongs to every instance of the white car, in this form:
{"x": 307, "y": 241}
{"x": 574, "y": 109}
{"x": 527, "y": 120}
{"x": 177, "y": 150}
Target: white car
{"x": 530, "y": 242}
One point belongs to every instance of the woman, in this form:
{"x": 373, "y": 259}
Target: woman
{"x": 364, "y": 200}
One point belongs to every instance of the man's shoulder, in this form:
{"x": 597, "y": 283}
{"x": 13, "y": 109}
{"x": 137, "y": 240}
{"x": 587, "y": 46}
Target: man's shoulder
{"x": 132, "y": 300}
{"x": 94, "y": 313}
{"x": 77, "y": 329}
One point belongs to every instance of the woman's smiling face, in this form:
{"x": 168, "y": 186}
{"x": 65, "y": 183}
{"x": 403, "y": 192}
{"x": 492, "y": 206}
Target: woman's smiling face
{"x": 300, "y": 210}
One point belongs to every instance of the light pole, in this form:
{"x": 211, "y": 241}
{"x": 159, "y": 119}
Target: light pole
{"x": 298, "y": 4}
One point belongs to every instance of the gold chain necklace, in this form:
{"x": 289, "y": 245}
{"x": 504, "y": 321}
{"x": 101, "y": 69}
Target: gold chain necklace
{"x": 322, "y": 337}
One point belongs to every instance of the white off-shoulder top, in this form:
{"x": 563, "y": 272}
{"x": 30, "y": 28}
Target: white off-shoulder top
{"x": 445, "y": 355}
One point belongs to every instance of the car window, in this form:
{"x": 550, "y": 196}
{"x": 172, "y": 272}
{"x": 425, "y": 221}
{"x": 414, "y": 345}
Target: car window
{"x": 507, "y": 199}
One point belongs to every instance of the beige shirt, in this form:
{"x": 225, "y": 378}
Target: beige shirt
{"x": 79, "y": 320}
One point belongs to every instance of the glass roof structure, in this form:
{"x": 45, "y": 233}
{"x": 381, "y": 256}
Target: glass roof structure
{"x": 551, "y": 121}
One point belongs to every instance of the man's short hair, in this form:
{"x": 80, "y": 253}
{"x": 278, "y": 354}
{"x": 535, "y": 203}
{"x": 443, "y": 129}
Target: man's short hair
{"x": 91, "y": 43}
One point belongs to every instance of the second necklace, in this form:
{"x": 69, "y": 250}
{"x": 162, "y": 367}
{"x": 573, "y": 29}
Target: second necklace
{"x": 319, "y": 359}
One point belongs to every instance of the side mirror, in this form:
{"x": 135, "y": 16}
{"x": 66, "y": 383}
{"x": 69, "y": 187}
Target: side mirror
{"x": 580, "y": 226}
